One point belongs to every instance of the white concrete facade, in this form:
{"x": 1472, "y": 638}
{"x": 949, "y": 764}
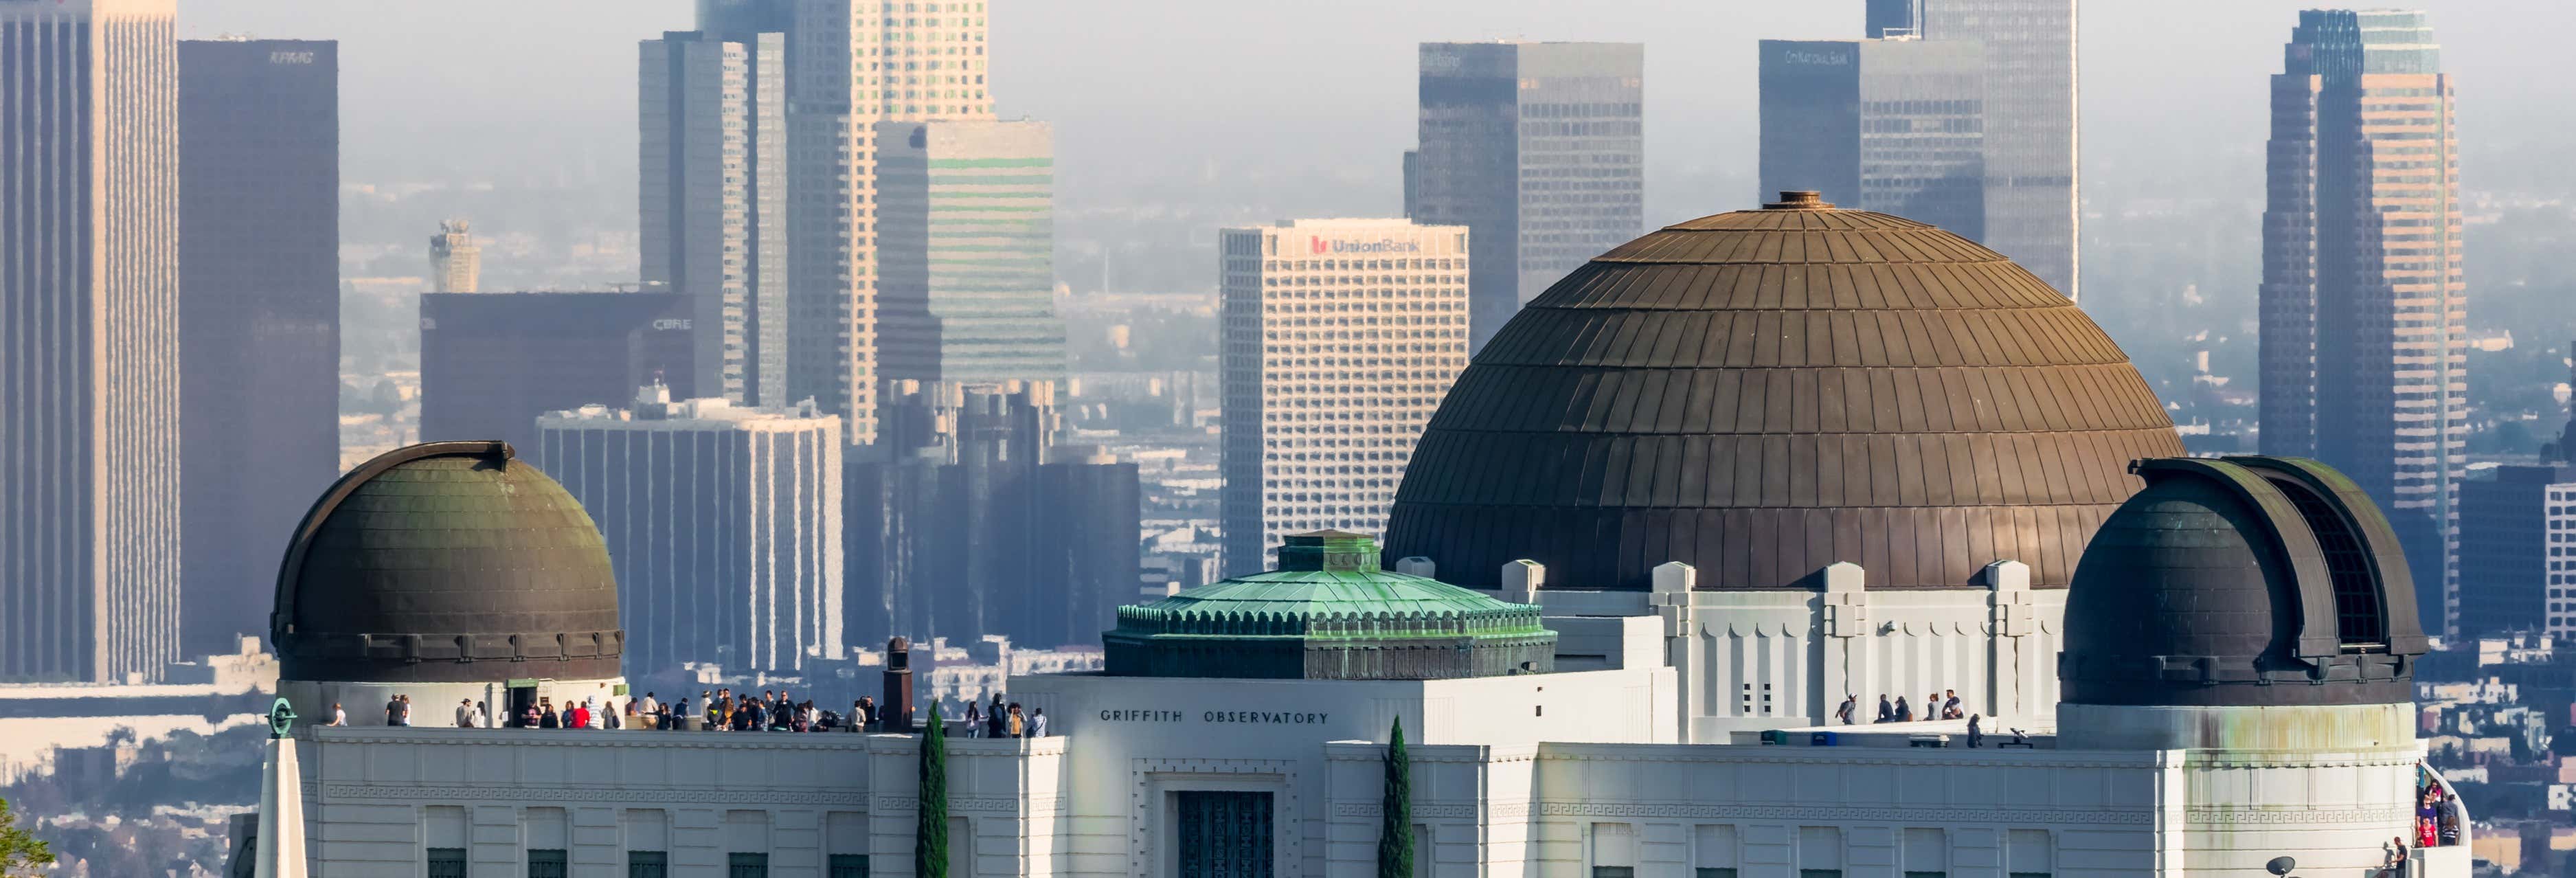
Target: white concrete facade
{"x": 1751, "y": 660}
{"x": 1340, "y": 337}
{"x": 1536, "y": 775}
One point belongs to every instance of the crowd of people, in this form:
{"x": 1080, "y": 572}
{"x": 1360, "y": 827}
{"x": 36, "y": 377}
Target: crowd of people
{"x": 1940, "y": 705}
{"x": 1936, "y": 706}
{"x": 770, "y": 711}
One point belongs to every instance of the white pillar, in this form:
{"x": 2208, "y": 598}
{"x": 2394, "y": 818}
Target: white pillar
{"x": 1843, "y": 620}
{"x": 280, "y": 844}
{"x": 1671, "y": 599}
{"x": 2008, "y": 620}
{"x": 1522, "y": 580}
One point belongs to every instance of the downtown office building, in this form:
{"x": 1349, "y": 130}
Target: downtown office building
{"x": 1340, "y": 336}
{"x": 1890, "y": 125}
{"x": 89, "y": 328}
{"x": 2029, "y": 126}
{"x": 2364, "y": 306}
{"x": 491, "y": 364}
{"x": 966, "y": 252}
{"x": 712, "y": 178}
{"x": 259, "y": 308}
{"x": 724, "y": 524}
{"x": 856, "y": 63}
{"x": 1539, "y": 150}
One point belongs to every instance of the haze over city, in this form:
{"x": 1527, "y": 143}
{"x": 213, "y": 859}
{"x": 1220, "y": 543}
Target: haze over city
{"x": 1216, "y": 439}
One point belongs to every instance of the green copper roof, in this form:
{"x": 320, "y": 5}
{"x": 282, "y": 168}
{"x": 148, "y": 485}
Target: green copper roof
{"x": 1328, "y": 600}
{"x": 1327, "y": 576}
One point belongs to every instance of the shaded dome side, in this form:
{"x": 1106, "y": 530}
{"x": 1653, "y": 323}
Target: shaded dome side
{"x": 432, "y": 558}
{"x": 2212, "y": 587}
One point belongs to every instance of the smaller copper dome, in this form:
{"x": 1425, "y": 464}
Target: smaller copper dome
{"x": 446, "y": 562}
{"x": 2244, "y": 581}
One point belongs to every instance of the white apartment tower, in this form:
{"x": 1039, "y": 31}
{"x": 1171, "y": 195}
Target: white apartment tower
{"x": 724, "y": 523}
{"x": 1341, "y": 337}
{"x": 712, "y": 192}
{"x": 89, "y": 339}
{"x": 455, "y": 262}
{"x": 857, "y": 63}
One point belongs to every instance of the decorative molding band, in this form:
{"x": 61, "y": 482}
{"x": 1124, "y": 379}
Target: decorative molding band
{"x": 1796, "y": 755}
{"x": 1910, "y": 816}
{"x": 1373, "y": 809}
{"x": 746, "y": 796}
{"x": 2273, "y": 816}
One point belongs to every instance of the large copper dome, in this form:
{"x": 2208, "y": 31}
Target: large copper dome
{"x": 1765, "y": 392}
{"x": 447, "y": 562}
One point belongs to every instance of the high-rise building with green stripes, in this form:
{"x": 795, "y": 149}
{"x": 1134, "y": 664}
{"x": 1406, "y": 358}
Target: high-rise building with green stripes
{"x": 966, "y": 252}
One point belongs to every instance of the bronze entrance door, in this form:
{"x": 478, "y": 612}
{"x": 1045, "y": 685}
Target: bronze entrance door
{"x": 1224, "y": 835}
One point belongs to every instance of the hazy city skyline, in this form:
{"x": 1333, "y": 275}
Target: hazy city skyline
{"x": 476, "y": 122}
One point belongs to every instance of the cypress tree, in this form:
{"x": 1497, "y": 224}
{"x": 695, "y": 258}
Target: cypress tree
{"x": 1395, "y": 831}
{"x": 930, "y": 835}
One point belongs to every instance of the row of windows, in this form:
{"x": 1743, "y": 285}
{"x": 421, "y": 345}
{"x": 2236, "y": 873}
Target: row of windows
{"x": 555, "y": 863}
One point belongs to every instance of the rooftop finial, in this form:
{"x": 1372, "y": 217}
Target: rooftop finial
{"x": 1800, "y": 199}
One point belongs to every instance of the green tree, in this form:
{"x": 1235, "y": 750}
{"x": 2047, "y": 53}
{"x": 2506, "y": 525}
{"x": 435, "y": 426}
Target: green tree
{"x": 1395, "y": 831}
{"x": 930, "y": 835}
{"x": 21, "y": 853}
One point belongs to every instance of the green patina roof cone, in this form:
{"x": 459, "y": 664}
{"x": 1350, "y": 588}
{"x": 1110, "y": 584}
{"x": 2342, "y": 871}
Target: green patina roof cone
{"x": 1329, "y": 612}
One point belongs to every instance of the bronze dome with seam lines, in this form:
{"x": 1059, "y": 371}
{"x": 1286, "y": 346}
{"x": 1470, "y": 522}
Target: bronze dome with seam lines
{"x": 447, "y": 562}
{"x": 1765, "y": 392}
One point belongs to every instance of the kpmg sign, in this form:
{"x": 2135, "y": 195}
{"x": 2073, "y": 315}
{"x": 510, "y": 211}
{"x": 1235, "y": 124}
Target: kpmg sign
{"x": 1386, "y": 245}
{"x": 1802, "y": 55}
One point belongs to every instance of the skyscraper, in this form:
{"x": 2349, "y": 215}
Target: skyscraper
{"x": 1539, "y": 149}
{"x": 712, "y": 175}
{"x": 1340, "y": 338}
{"x": 492, "y": 363}
{"x": 455, "y": 261}
{"x": 966, "y": 252}
{"x": 724, "y": 523}
{"x": 2512, "y": 523}
{"x": 2030, "y": 126}
{"x": 2364, "y": 307}
{"x": 1891, "y": 125}
{"x": 259, "y": 306}
{"x": 857, "y": 63}
{"x": 89, "y": 340}
{"x": 976, "y": 523}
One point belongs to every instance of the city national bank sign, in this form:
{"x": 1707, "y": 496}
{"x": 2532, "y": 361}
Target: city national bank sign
{"x": 1384, "y": 245}
{"x": 1257, "y": 717}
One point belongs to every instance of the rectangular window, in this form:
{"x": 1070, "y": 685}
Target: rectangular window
{"x": 1714, "y": 872}
{"x": 1820, "y": 873}
{"x": 1614, "y": 872}
{"x": 742, "y": 865}
{"x": 848, "y": 866}
{"x": 446, "y": 863}
{"x": 547, "y": 863}
{"x": 648, "y": 864}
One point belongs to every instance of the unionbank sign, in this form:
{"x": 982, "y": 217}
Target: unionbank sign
{"x": 1387, "y": 245}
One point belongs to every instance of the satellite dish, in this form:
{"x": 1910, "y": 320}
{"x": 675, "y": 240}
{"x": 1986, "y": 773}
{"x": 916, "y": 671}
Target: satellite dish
{"x": 2280, "y": 865}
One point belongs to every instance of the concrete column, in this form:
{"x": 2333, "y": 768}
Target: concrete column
{"x": 1671, "y": 599}
{"x": 2008, "y": 620}
{"x": 1843, "y": 621}
{"x": 280, "y": 848}
{"x": 1522, "y": 581}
